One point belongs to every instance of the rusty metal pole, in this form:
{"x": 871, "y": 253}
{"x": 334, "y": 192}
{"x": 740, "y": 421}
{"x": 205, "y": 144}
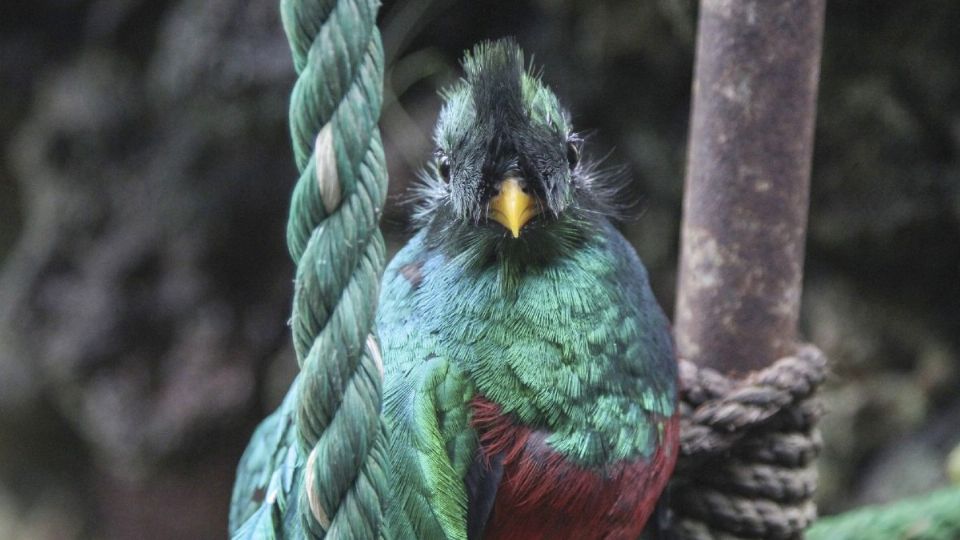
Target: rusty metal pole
{"x": 747, "y": 183}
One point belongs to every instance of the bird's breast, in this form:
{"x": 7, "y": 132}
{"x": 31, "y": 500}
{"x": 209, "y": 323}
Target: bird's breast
{"x": 543, "y": 495}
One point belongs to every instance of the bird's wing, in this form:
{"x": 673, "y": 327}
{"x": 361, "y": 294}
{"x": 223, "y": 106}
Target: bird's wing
{"x": 427, "y": 408}
{"x": 432, "y": 446}
{"x": 268, "y": 477}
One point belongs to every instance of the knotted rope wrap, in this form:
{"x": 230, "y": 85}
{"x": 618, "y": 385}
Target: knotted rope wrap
{"x": 334, "y": 238}
{"x": 747, "y": 449}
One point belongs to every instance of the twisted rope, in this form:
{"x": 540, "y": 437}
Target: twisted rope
{"x": 334, "y": 239}
{"x": 747, "y": 450}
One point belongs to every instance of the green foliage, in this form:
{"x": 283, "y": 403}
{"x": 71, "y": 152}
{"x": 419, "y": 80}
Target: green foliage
{"x": 930, "y": 517}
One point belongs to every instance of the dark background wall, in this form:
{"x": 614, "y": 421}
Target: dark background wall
{"x": 144, "y": 176}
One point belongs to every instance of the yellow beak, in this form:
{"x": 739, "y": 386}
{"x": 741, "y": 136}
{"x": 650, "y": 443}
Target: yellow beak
{"x": 512, "y": 207}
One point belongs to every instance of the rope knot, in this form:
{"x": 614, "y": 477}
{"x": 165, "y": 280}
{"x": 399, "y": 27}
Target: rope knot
{"x": 747, "y": 450}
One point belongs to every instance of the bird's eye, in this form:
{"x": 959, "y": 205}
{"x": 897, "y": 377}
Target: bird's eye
{"x": 573, "y": 154}
{"x": 444, "y": 167}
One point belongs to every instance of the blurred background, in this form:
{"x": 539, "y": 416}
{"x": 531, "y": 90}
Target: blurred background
{"x": 145, "y": 171}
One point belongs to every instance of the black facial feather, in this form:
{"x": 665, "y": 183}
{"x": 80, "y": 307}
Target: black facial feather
{"x": 501, "y": 120}
{"x": 515, "y": 140}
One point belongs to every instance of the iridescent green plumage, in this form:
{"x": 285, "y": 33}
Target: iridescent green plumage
{"x": 269, "y": 479}
{"x": 558, "y": 327}
{"x": 580, "y": 349}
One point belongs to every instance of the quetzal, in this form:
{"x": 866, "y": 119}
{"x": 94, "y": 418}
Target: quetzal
{"x": 530, "y": 377}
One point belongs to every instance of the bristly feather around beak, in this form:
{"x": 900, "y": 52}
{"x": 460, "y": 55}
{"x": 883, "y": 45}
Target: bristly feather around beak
{"x": 507, "y": 184}
{"x": 513, "y": 207}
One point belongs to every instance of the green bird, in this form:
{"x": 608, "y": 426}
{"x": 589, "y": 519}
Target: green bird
{"x": 270, "y": 479}
{"x": 530, "y": 378}
{"x": 530, "y": 375}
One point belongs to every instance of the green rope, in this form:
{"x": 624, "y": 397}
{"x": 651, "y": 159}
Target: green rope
{"x": 930, "y": 517}
{"x": 334, "y": 239}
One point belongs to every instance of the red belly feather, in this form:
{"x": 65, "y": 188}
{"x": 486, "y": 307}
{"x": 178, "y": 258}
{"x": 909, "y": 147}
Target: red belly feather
{"x": 544, "y": 496}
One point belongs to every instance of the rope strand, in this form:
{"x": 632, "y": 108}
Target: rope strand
{"x": 334, "y": 239}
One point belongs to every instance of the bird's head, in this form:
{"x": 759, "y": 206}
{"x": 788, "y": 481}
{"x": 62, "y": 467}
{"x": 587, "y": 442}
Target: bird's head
{"x": 506, "y": 178}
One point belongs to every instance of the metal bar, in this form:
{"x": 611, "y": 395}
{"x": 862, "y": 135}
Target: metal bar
{"x": 747, "y": 185}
